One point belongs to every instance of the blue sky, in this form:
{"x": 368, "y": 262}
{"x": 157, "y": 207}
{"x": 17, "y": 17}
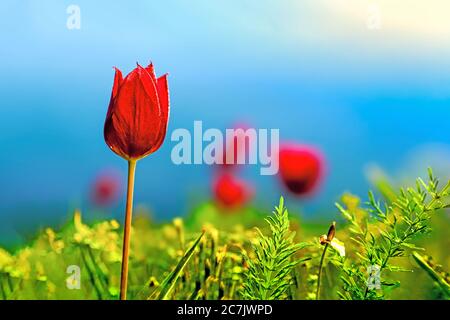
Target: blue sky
{"x": 311, "y": 68}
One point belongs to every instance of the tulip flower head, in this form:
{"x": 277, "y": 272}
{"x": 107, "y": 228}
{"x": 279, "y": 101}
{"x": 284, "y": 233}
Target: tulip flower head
{"x": 231, "y": 192}
{"x": 138, "y": 113}
{"x": 301, "y": 168}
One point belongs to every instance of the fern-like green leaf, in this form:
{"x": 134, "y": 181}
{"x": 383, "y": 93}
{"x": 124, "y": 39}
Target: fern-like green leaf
{"x": 269, "y": 275}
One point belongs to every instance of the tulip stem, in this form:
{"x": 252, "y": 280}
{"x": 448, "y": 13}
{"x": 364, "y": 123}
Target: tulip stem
{"x": 320, "y": 271}
{"x": 127, "y": 230}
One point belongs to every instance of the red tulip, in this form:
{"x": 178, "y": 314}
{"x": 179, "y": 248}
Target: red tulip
{"x": 138, "y": 113}
{"x": 230, "y": 192}
{"x": 135, "y": 126}
{"x": 301, "y": 168}
{"x": 105, "y": 189}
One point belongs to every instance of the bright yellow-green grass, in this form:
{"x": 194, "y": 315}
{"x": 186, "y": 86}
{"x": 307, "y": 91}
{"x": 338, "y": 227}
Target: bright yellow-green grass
{"x": 165, "y": 263}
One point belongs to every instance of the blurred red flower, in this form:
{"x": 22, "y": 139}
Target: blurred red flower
{"x": 231, "y": 192}
{"x": 138, "y": 112}
{"x": 105, "y": 189}
{"x": 301, "y": 168}
{"x": 236, "y": 147}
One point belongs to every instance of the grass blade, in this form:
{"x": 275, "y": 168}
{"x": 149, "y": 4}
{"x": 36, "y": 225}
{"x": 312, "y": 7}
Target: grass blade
{"x": 169, "y": 282}
{"x": 422, "y": 262}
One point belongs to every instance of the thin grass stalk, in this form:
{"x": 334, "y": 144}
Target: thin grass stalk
{"x": 95, "y": 282}
{"x": 3, "y": 290}
{"x": 320, "y": 271}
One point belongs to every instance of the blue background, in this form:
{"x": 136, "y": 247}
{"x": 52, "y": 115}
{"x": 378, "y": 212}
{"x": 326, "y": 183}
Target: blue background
{"x": 311, "y": 68}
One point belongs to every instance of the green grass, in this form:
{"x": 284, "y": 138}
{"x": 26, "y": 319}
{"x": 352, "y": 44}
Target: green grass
{"x": 212, "y": 254}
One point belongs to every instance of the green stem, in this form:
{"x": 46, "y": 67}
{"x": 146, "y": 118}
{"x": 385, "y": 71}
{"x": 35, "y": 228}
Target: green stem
{"x": 2, "y": 288}
{"x": 320, "y": 270}
{"x": 92, "y": 277}
{"x": 127, "y": 230}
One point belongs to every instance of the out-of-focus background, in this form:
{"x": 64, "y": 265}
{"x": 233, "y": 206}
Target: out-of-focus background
{"x": 366, "y": 82}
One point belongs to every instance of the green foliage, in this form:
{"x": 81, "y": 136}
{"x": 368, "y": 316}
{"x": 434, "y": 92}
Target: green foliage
{"x": 232, "y": 261}
{"x": 269, "y": 275}
{"x": 169, "y": 282}
{"x": 383, "y": 232}
{"x": 210, "y": 269}
{"x": 436, "y": 272}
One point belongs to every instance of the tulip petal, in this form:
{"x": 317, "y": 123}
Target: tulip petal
{"x": 162, "y": 86}
{"x": 148, "y": 83}
{"x": 118, "y": 79}
{"x": 151, "y": 71}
